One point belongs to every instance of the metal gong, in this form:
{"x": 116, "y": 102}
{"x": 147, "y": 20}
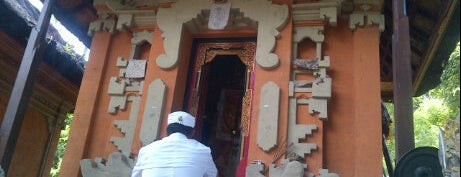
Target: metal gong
{"x": 419, "y": 162}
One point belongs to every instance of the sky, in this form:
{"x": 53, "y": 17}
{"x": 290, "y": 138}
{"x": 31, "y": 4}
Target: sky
{"x": 70, "y": 38}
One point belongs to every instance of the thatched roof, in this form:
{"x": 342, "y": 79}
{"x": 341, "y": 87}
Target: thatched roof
{"x": 17, "y": 17}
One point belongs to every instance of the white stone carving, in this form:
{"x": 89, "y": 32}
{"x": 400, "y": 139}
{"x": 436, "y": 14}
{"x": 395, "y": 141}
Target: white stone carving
{"x": 329, "y": 15}
{"x": 127, "y": 127}
{"x": 321, "y": 88}
{"x": 325, "y": 10}
{"x": 287, "y": 169}
{"x": 314, "y": 33}
{"x": 316, "y": 106}
{"x": 118, "y": 165}
{"x": 219, "y": 15}
{"x": 268, "y": 116}
{"x": 134, "y": 86}
{"x": 128, "y": 14}
{"x": 107, "y": 25}
{"x": 116, "y": 102}
{"x": 377, "y": 19}
{"x": 153, "y": 111}
{"x": 136, "y": 69}
{"x": 297, "y": 132}
{"x": 116, "y": 86}
{"x": 358, "y": 19}
{"x": 138, "y": 40}
{"x": 270, "y": 18}
{"x": 121, "y": 63}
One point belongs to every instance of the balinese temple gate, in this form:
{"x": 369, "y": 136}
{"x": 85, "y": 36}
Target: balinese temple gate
{"x": 279, "y": 88}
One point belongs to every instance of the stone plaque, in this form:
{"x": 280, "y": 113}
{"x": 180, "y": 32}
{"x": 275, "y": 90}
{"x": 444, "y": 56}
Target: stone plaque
{"x": 136, "y": 69}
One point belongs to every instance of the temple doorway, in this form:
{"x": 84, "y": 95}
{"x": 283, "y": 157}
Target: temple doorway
{"x": 218, "y": 86}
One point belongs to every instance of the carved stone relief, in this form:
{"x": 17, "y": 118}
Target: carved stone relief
{"x": 121, "y": 16}
{"x": 105, "y": 24}
{"x": 153, "y": 112}
{"x": 270, "y": 18}
{"x": 297, "y": 131}
{"x": 127, "y": 127}
{"x": 288, "y": 168}
{"x": 357, "y": 18}
{"x": 268, "y": 116}
{"x": 323, "y": 10}
{"x": 138, "y": 39}
{"x": 127, "y": 87}
{"x": 118, "y": 165}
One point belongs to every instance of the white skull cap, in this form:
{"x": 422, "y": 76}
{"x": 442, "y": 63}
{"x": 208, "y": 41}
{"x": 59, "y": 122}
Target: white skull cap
{"x": 181, "y": 117}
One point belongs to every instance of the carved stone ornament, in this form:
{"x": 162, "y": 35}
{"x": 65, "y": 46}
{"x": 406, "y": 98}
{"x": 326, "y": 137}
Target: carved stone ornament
{"x": 270, "y": 17}
{"x": 153, "y": 110}
{"x": 118, "y": 165}
{"x": 268, "y": 116}
{"x": 287, "y": 169}
{"x": 358, "y": 19}
{"x": 323, "y": 10}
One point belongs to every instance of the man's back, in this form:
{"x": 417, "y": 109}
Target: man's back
{"x": 175, "y": 156}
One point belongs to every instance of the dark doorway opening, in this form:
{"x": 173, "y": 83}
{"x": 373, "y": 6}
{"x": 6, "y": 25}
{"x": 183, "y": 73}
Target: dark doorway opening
{"x": 222, "y": 90}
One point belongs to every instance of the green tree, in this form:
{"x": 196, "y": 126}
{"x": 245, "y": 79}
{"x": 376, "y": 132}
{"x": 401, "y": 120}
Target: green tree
{"x": 448, "y": 90}
{"x": 432, "y": 109}
{"x": 61, "y": 146}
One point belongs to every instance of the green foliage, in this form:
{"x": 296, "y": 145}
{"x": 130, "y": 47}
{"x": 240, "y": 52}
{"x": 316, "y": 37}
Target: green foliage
{"x": 431, "y": 110}
{"x": 70, "y": 49}
{"x": 61, "y": 146}
{"x": 448, "y": 90}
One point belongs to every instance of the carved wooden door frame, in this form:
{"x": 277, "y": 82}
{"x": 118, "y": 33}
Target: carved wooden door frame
{"x": 207, "y": 52}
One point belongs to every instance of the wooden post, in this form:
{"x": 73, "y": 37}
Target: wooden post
{"x": 22, "y": 90}
{"x": 402, "y": 76}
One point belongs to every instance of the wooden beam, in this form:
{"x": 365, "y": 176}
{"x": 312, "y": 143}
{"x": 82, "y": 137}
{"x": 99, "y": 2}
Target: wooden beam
{"x": 22, "y": 90}
{"x": 402, "y": 79}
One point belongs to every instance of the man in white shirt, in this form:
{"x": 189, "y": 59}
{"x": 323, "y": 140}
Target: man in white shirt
{"x": 175, "y": 155}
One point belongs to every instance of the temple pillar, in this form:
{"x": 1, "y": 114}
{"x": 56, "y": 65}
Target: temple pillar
{"x": 366, "y": 96}
{"x": 86, "y": 102}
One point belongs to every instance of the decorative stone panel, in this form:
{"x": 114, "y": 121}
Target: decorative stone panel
{"x": 364, "y": 12}
{"x": 268, "y": 116}
{"x": 297, "y": 132}
{"x": 358, "y": 19}
{"x": 270, "y": 17}
{"x": 127, "y": 127}
{"x": 153, "y": 112}
{"x": 323, "y": 10}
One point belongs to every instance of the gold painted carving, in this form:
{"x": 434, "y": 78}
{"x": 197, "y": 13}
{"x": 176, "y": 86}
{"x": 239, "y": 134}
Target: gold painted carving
{"x": 244, "y": 50}
{"x": 246, "y": 107}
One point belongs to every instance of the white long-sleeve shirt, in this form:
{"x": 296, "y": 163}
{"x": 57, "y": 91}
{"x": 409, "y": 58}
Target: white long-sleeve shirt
{"x": 175, "y": 156}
